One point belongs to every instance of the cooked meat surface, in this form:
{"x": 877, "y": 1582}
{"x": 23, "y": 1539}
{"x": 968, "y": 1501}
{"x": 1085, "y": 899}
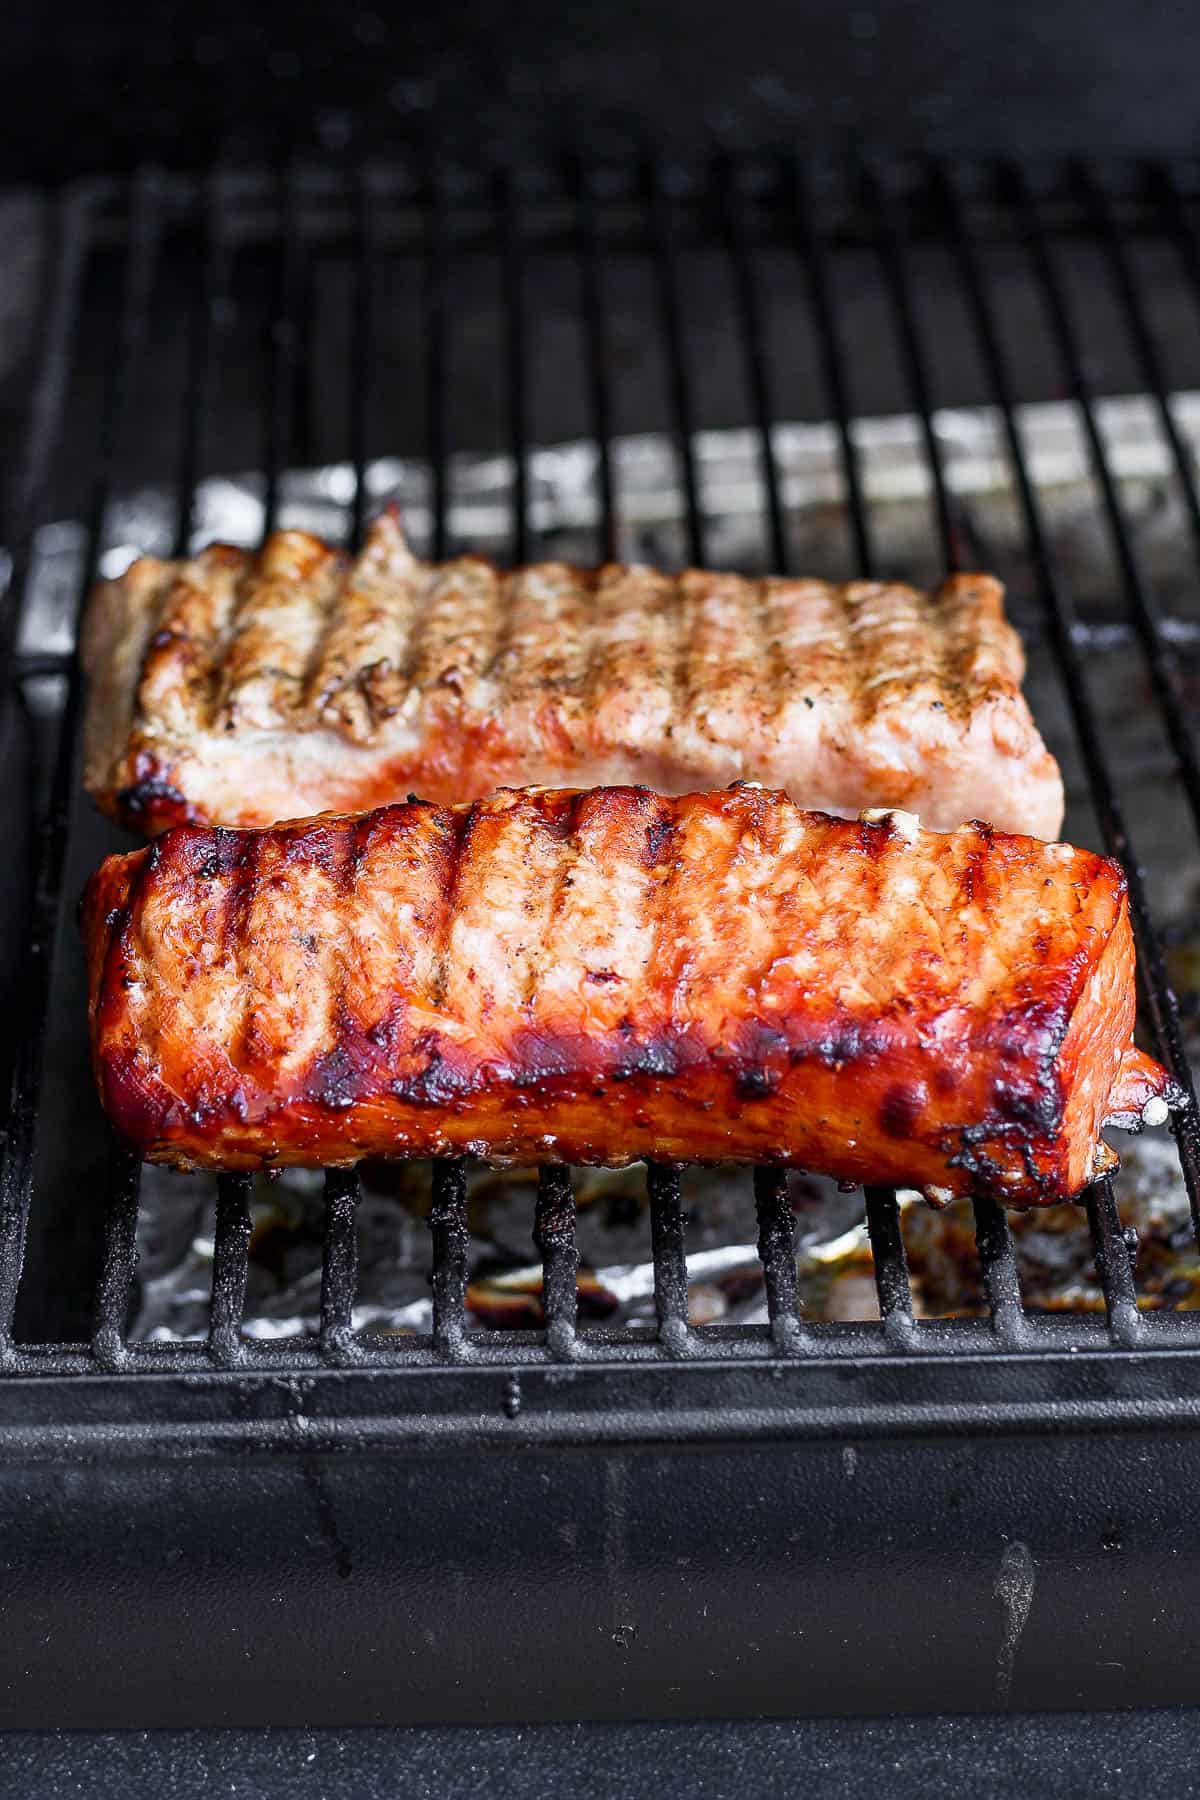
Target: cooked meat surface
{"x": 594, "y": 977}
{"x": 240, "y": 689}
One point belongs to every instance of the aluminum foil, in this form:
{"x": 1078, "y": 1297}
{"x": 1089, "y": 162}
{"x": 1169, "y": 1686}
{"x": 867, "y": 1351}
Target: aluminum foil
{"x": 833, "y": 1257}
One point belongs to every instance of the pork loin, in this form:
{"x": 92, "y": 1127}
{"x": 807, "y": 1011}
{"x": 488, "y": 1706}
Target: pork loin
{"x": 242, "y": 688}
{"x": 600, "y": 976}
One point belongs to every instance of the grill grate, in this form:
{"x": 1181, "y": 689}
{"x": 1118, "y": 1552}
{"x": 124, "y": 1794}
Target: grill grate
{"x": 293, "y": 223}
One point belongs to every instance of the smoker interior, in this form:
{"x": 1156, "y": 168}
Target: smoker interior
{"x": 790, "y": 1518}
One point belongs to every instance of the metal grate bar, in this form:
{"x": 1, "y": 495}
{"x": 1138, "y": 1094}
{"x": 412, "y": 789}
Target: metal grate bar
{"x": 436, "y": 305}
{"x": 339, "y": 1263}
{"x": 231, "y": 1240}
{"x": 1160, "y": 662}
{"x": 893, "y": 256}
{"x": 814, "y": 257}
{"x": 210, "y": 319}
{"x": 891, "y": 1266}
{"x": 516, "y": 357}
{"x": 68, "y": 260}
{"x": 450, "y": 1237}
{"x": 1112, "y": 1252}
{"x": 50, "y": 855}
{"x": 596, "y": 348}
{"x": 750, "y": 324}
{"x": 1165, "y": 190}
{"x": 1132, "y": 302}
{"x": 663, "y": 1184}
{"x": 670, "y": 1263}
{"x": 776, "y": 1227}
{"x": 1059, "y": 616}
{"x": 997, "y": 1252}
{"x": 115, "y": 1287}
{"x": 554, "y": 1235}
{"x": 891, "y": 1269}
{"x": 282, "y": 346}
{"x": 664, "y": 245}
{"x": 998, "y": 1263}
{"x": 231, "y": 1253}
{"x": 777, "y": 1251}
{"x": 45, "y": 429}
{"x": 362, "y": 347}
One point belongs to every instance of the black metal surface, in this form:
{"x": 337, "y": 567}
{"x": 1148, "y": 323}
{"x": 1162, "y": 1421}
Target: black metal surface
{"x": 754, "y": 1471}
{"x": 1074, "y": 1756}
{"x": 676, "y": 1579}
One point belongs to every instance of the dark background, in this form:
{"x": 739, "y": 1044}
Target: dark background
{"x": 94, "y": 85}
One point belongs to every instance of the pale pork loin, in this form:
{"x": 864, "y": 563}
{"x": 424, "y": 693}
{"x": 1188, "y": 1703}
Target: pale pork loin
{"x": 241, "y": 688}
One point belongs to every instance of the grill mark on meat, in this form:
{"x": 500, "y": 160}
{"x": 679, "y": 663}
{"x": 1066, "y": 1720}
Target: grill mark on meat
{"x": 363, "y": 641}
{"x": 945, "y": 614}
{"x": 758, "y": 658}
{"x": 603, "y": 650}
{"x": 629, "y": 694}
{"x": 125, "y": 931}
{"x": 670, "y": 950}
{"x": 494, "y": 668}
{"x": 339, "y": 1067}
{"x": 544, "y": 646}
{"x": 600, "y": 931}
{"x": 880, "y": 632}
{"x": 457, "y": 630}
{"x": 510, "y": 894}
{"x": 679, "y": 617}
{"x": 780, "y": 675}
{"x": 275, "y": 629}
{"x": 464, "y": 825}
{"x": 538, "y": 671}
{"x": 562, "y": 828}
{"x": 657, "y": 1053}
{"x": 192, "y": 608}
{"x": 590, "y": 633}
{"x": 844, "y": 628}
{"x": 237, "y": 947}
{"x": 720, "y": 666}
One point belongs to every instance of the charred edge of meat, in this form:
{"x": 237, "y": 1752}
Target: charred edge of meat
{"x": 989, "y": 1177}
{"x": 154, "y": 804}
{"x": 356, "y": 1067}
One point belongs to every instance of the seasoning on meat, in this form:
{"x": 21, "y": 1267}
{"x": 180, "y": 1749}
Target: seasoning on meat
{"x": 600, "y": 976}
{"x": 241, "y": 688}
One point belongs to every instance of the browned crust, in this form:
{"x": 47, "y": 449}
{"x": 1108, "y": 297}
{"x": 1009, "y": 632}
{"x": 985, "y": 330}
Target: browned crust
{"x": 603, "y": 976}
{"x": 240, "y": 688}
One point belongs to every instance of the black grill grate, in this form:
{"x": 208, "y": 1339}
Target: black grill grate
{"x": 284, "y": 229}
